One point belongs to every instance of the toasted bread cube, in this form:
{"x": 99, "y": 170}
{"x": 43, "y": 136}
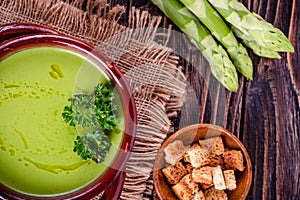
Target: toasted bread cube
{"x": 187, "y": 179}
{"x": 218, "y": 178}
{"x": 230, "y": 180}
{"x": 174, "y": 152}
{"x": 233, "y": 159}
{"x": 186, "y": 188}
{"x": 182, "y": 191}
{"x": 215, "y": 160}
{"x": 174, "y": 173}
{"x": 202, "y": 175}
{"x": 199, "y": 196}
{"x": 214, "y": 194}
{"x": 198, "y": 156}
{"x": 215, "y": 145}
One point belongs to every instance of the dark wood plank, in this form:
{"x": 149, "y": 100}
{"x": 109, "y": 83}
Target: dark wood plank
{"x": 272, "y": 98}
{"x": 293, "y": 58}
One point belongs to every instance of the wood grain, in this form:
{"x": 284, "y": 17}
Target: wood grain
{"x": 293, "y": 60}
{"x": 264, "y": 113}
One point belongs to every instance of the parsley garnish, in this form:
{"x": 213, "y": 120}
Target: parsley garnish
{"x": 94, "y": 111}
{"x": 93, "y": 145}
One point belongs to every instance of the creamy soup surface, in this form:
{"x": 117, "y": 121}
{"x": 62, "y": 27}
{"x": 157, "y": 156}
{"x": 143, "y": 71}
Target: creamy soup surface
{"x": 36, "y": 145}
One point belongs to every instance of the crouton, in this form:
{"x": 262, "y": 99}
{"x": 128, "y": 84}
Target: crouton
{"x": 199, "y": 196}
{"x": 215, "y": 160}
{"x": 174, "y": 173}
{"x": 214, "y": 194}
{"x": 230, "y": 180}
{"x": 218, "y": 178}
{"x": 214, "y": 145}
{"x": 197, "y": 156}
{"x": 202, "y": 175}
{"x": 233, "y": 159}
{"x": 186, "y": 188}
{"x": 174, "y": 152}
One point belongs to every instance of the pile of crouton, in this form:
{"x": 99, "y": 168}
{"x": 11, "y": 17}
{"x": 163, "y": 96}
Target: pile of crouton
{"x": 202, "y": 171}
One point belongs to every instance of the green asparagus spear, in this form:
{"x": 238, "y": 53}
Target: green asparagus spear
{"x": 258, "y": 49}
{"x": 220, "y": 64}
{"x": 264, "y": 39}
{"x": 213, "y": 21}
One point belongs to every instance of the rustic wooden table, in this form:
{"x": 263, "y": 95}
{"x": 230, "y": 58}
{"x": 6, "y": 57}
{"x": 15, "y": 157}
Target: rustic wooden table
{"x": 264, "y": 113}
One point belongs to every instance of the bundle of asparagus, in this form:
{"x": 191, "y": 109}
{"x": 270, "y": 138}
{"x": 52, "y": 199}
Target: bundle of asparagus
{"x": 221, "y": 66}
{"x": 200, "y": 20}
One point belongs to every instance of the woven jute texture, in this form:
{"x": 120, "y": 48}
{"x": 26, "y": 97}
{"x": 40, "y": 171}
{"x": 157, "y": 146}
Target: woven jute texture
{"x": 158, "y": 86}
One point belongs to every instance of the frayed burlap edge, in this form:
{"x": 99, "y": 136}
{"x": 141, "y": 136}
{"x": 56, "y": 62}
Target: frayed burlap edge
{"x": 158, "y": 86}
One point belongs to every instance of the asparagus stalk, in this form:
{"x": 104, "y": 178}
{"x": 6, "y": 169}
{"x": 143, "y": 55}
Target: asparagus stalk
{"x": 258, "y": 49}
{"x": 213, "y": 21}
{"x": 220, "y": 64}
{"x": 264, "y": 39}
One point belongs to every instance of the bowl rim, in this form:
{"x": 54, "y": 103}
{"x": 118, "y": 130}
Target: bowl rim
{"x": 12, "y": 30}
{"x": 247, "y": 160}
{"x": 42, "y": 39}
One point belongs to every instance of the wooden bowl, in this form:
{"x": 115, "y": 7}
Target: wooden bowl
{"x": 191, "y": 134}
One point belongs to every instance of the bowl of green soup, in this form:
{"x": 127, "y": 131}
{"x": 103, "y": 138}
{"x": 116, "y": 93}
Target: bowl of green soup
{"x": 67, "y": 117}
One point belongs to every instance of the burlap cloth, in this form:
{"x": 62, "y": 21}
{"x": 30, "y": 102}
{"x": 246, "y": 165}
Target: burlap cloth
{"x": 151, "y": 69}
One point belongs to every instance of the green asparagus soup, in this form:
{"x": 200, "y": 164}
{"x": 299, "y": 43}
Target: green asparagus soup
{"x": 36, "y": 144}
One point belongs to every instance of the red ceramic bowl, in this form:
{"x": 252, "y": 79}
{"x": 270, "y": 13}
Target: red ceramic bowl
{"x": 17, "y": 37}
